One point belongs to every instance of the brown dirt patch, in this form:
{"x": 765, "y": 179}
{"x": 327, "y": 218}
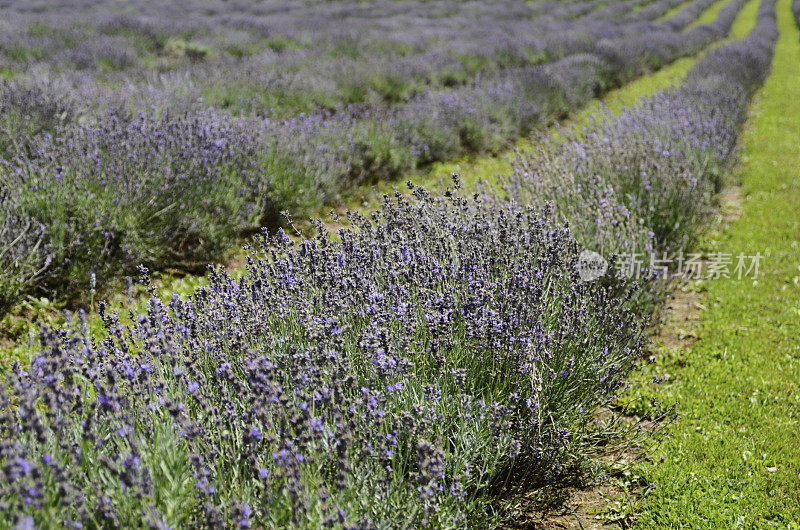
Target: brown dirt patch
{"x": 581, "y": 512}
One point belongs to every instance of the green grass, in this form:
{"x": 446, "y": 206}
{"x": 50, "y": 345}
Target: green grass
{"x": 733, "y": 457}
{"x": 708, "y": 15}
{"x": 672, "y": 12}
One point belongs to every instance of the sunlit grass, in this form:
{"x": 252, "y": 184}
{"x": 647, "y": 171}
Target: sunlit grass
{"x": 734, "y": 455}
{"x": 672, "y": 12}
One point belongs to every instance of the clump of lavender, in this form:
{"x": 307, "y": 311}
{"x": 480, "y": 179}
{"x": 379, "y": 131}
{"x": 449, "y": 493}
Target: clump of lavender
{"x": 391, "y": 377}
{"x": 31, "y": 107}
{"x": 101, "y": 198}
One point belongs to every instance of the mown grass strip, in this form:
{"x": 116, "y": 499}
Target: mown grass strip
{"x": 707, "y": 16}
{"x": 734, "y": 455}
{"x": 674, "y": 10}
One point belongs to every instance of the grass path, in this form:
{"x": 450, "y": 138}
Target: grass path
{"x": 708, "y": 15}
{"x": 473, "y": 169}
{"x": 733, "y": 459}
{"x": 672, "y": 12}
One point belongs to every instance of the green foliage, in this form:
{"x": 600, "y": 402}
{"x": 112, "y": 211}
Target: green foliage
{"x": 378, "y": 155}
{"x": 393, "y": 88}
{"x": 241, "y": 98}
{"x": 179, "y": 48}
{"x": 279, "y": 43}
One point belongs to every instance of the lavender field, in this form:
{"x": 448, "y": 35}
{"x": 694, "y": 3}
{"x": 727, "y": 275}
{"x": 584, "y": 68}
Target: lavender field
{"x": 424, "y": 364}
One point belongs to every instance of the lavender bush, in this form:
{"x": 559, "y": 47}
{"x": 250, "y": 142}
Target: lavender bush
{"x": 28, "y": 109}
{"x": 100, "y": 199}
{"x": 393, "y": 378}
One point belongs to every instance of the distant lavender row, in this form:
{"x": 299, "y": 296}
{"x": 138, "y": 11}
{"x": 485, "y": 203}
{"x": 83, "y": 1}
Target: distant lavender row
{"x": 330, "y": 66}
{"x": 295, "y": 55}
{"x": 441, "y": 352}
{"x": 166, "y": 189}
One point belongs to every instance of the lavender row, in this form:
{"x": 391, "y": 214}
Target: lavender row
{"x": 172, "y": 189}
{"x": 402, "y": 374}
{"x": 311, "y": 78}
{"x": 636, "y": 183}
{"x": 384, "y": 66}
{"x": 332, "y": 67}
{"x": 327, "y": 65}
